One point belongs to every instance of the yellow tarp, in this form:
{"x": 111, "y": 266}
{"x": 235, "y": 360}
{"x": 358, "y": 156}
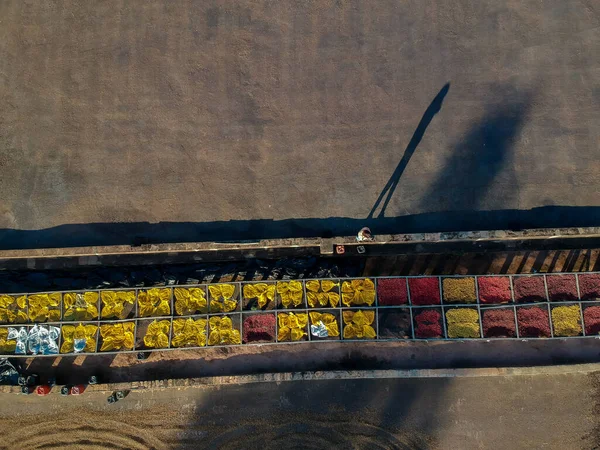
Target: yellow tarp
{"x": 291, "y": 293}
{"x": 189, "y": 301}
{"x": 189, "y": 332}
{"x": 222, "y": 331}
{"x": 358, "y": 292}
{"x": 264, "y": 292}
{"x": 6, "y": 346}
{"x": 358, "y": 325}
{"x": 157, "y": 335}
{"x": 44, "y": 307}
{"x": 80, "y": 307}
{"x": 329, "y": 320}
{"x": 322, "y": 293}
{"x": 154, "y": 302}
{"x": 117, "y": 336}
{"x": 221, "y": 298}
{"x": 292, "y": 326}
{"x": 13, "y": 309}
{"x": 72, "y": 332}
{"x": 114, "y": 303}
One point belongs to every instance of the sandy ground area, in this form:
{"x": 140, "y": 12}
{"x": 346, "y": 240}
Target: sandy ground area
{"x": 556, "y": 411}
{"x": 247, "y": 110}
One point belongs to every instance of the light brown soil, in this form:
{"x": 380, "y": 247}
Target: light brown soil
{"x": 192, "y": 111}
{"x": 553, "y": 411}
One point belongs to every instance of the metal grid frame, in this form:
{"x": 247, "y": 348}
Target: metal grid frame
{"x": 239, "y": 314}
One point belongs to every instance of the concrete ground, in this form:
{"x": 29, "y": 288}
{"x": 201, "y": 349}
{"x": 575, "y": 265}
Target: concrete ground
{"x": 535, "y": 409}
{"x": 238, "y": 119}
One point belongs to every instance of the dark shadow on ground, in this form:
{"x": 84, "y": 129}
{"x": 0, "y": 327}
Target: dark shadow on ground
{"x": 398, "y": 414}
{"x": 480, "y": 159}
{"x": 469, "y": 194}
{"x": 320, "y": 356}
{"x": 390, "y": 187}
{"x": 252, "y": 230}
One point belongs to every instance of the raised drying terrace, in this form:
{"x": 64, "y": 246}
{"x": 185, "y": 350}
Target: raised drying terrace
{"x": 295, "y": 311}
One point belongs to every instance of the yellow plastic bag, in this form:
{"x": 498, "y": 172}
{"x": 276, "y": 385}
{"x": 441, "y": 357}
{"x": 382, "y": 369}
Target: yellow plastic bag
{"x": 292, "y": 326}
{"x": 80, "y": 307}
{"x": 358, "y": 292}
{"x": 71, "y": 332}
{"x": 157, "y": 335}
{"x": 114, "y": 304}
{"x": 358, "y": 325}
{"x": 6, "y": 346}
{"x": 264, "y": 292}
{"x": 117, "y": 336}
{"x": 329, "y": 320}
{"x": 189, "y": 332}
{"x": 44, "y": 307}
{"x": 13, "y": 309}
{"x": 154, "y": 302}
{"x": 321, "y": 294}
{"x": 189, "y": 301}
{"x": 222, "y": 332}
{"x": 290, "y": 292}
{"x": 221, "y": 298}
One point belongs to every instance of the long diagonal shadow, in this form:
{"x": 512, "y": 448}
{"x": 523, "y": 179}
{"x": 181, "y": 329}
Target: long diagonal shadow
{"x": 391, "y": 185}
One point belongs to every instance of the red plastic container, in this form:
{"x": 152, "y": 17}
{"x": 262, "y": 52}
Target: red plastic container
{"x": 77, "y": 389}
{"x": 43, "y": 390}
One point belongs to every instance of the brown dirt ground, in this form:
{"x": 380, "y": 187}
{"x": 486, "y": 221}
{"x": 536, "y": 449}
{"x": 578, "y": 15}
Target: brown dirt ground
{"x": 552, "y": 411}
{"x": 190, "y": 111}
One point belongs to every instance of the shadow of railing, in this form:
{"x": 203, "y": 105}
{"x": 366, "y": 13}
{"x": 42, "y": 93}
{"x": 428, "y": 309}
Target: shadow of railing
{"x": 98, "y": 234}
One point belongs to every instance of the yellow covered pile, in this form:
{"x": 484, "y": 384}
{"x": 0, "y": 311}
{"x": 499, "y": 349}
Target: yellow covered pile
{"x": 117, "y": 336}
{"x": 189, "y": 301}
{"x": 322, "y": 293}
{"x": 222, "y": 332}
{"x": 358, "y": 325}
{"x": 80, "y": 306}
{"x": 358, "y": 292}
{"x": 566, "y": 320}
{"x": 290, "y": 293}
{"x": 264, "y": 292}
{"x": 13, "y": 309}
{"x": 154, "y": 302}
{"x": 189, "y": 332}
{"x": 76, "y": 337}
{"x": 114, "y": 303}
{"x": 323, "y": 320}
{"x": 221, "y": 297}
{"x": 463, "y": 323}
{"x": 157, "y": 335}
{"x": 292, "y": 326}
{"x": 44, "y": 307}
{"x": 6, "y": 346}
